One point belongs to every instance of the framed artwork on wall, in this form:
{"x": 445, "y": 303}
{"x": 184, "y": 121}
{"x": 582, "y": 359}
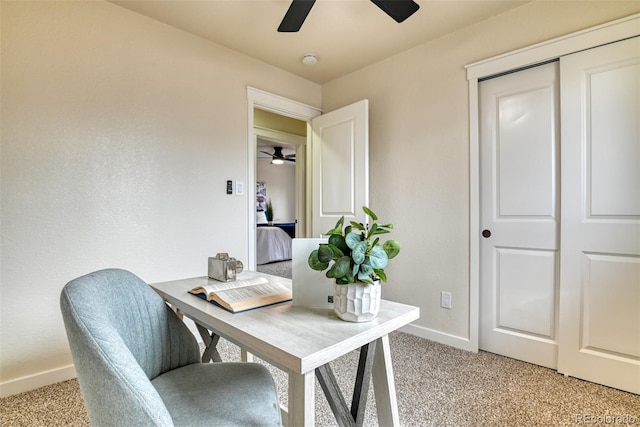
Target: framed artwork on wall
{"x": 261, "y": 195}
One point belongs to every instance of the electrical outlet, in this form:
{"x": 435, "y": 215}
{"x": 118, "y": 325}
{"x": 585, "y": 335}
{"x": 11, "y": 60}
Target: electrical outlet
{"x": 445, "y": 300}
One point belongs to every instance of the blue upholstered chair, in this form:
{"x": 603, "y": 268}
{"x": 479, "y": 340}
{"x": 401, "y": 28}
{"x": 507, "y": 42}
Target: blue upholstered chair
{"x": 139, "y": 365}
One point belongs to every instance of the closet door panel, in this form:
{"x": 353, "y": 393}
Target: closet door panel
{"x": 612, "y": 149}
{"x": 600, "y": 251}
{"x": 519, "y": 207}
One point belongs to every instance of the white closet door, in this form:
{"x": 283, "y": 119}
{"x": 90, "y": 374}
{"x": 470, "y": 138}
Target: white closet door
{"x": 519, "y": 208}
{"x": 600, "y": 268}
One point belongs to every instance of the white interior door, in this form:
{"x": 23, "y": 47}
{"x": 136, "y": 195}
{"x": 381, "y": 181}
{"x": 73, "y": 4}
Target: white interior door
{"x": 519, "y": 215}
{"x": 600, "y": 267}
{"x": 339, "y": 166}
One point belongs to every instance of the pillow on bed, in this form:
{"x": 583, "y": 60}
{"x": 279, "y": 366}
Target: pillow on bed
{"x": 261, "y": 218}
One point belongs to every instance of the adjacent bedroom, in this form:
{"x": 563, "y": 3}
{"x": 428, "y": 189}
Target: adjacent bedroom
{"x": 275, "y": 207}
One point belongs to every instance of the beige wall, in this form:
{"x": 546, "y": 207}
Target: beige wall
{"x": 281, "y": 188}
{"x": 118, "y": 135}
{"x": 419, "y": 148}
{"x": 269, "y": 120}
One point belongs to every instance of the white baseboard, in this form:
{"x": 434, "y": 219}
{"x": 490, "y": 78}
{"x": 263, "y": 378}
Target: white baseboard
{"x": 440, "y": 337}
{"x": 41, "y": 379}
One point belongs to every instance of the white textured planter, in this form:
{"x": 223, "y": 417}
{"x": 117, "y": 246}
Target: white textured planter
{"x": 357, "y": 302}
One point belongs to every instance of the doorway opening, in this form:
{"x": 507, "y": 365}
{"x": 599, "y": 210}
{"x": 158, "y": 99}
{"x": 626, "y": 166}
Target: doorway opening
{"x": 259, "y": 103}
{"x": 280, "y": 149}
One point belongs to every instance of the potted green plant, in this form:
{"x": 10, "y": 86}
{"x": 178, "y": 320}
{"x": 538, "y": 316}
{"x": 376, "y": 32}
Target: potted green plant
{"x": 269, "y": 211}
{"x": 355, "y": 258}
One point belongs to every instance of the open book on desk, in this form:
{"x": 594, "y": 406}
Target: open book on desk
{"x": 248, "y": 292}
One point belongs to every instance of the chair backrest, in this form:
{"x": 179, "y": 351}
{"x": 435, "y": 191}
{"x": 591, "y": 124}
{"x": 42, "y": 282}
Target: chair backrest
{"x": 122, "y": 335}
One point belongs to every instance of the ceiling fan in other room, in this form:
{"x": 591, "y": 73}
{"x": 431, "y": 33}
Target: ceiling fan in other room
{"x": 399, "y": 10}
{"x": 277, "y": 158}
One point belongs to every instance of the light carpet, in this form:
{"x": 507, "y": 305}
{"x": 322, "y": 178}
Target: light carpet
{"x": 436, "y": 385}
{"x": 281, "y": 268}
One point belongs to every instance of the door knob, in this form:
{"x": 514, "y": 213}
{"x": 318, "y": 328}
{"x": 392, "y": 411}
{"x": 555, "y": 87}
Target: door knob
{"x": 486, "y": 233}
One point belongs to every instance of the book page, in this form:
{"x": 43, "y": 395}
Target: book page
{"x": 251, "y": 292}
{"x": 215, "y": 286}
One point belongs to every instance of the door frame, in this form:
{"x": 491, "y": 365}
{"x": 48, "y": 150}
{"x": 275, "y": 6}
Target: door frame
{"x": 262, "y": 100}
{"x": 552, "y": 49}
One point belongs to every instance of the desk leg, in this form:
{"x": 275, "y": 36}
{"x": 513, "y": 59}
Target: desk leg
{"x": 346, "y": 417}
{"x": 384, "y": 385}
{"x": 301, "y": 407}
{"x": 245, "y": 356}
{"x": 210, "y": 342}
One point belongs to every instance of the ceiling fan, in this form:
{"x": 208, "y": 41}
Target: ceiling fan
{"x": 399, "y": 10}
{"x": 278, "y": 158}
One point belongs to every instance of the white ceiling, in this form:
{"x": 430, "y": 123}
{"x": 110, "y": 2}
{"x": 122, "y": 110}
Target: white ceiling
{"x": 346, "y": 35}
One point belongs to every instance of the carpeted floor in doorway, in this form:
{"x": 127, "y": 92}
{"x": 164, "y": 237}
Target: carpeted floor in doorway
{"x": 281, "y": 268}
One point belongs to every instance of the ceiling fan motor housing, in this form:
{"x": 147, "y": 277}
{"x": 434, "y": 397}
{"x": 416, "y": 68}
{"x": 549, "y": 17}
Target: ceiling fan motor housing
{"x": 279, "y": 157}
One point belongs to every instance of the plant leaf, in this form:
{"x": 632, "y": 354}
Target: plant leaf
{"x": 379, "y": 231}
{"x": 315, "y": 263}
{"x": 373, "y": 229}
{"x": 325, "y": 254}
{"x": 337, "y": 252}
{"x": 338, "y": 228}
{"x": 359, "y": 252}
{"x": 365, "y": 279}
{"x": 350, "y": 277}
{"x": 378, "y": 257}
{"x": 357, "y": 225}
{"x": 370, "y": 213}
{"x": 338, "y": 241}
{"x": 381, "y": 274}
{"x": 342, "y": 267}
{"x": 392, "y": 248}
{"x": 352, "y": 239}
{"x": 365, "y": 270}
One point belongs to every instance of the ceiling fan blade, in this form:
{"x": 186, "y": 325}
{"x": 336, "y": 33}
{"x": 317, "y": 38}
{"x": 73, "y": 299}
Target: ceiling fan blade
{"x": 271, "y": 154}
{"x": 398, "y": 9}
{"x": 295, "y": 16}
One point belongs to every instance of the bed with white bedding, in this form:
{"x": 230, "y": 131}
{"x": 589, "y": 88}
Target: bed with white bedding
{"x": 272, "y": 244}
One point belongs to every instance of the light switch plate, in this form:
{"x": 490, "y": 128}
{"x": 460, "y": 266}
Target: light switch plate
{"x": 445, "y": 300}
{"x": 239, "y": 188}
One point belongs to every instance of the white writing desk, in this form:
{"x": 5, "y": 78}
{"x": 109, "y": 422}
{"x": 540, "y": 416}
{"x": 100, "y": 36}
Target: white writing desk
{"x": 302, "y": 341}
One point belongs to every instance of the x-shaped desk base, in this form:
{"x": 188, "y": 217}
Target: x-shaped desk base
{"x": 345, "y": 417}
{"x": 210, "y": 342}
